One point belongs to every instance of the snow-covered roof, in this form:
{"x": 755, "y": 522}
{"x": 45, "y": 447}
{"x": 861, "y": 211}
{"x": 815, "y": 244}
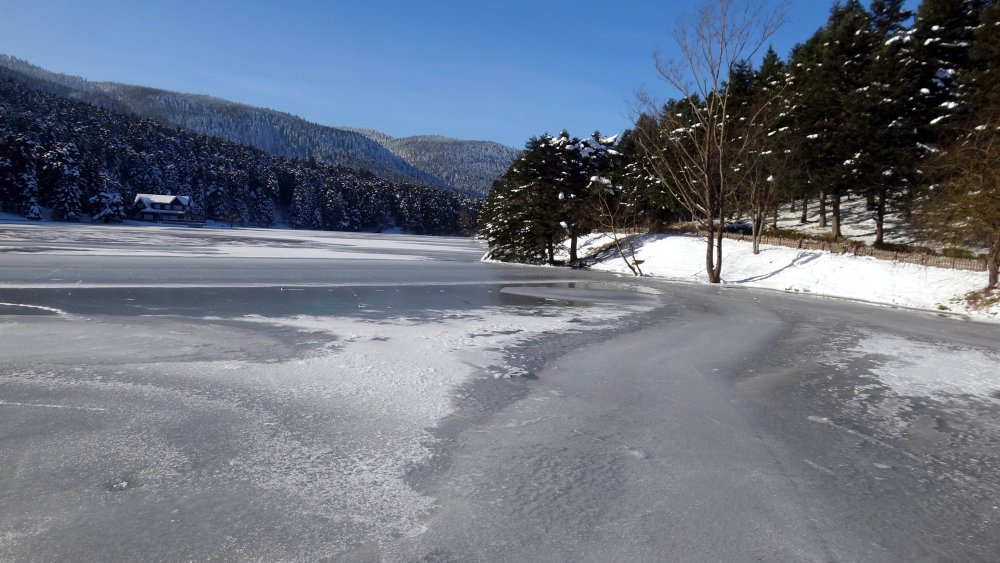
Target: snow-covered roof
{"x": 149, "y": 199}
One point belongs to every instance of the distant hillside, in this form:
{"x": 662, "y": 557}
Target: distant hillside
{"x": 85, "y": 163}
{"x": 461, "y": 165}
{"x": 482, "y": 162}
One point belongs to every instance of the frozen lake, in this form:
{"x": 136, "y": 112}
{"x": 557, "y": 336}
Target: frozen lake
{"x": 171, "y": 394}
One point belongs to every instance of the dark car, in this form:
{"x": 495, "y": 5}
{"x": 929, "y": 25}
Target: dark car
{"x": 740, "y": 226}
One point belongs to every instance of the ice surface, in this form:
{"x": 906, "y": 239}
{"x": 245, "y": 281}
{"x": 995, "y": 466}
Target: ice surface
{"x": 400, "y": 376}
{"x": 152, "y": 240}
{"x": 331, "y": 432}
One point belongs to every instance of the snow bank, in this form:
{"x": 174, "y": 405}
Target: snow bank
{"x": 682, "y": 258}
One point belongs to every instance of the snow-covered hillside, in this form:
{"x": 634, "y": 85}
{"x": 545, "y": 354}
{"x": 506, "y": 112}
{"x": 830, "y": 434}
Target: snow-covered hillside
{"x": 437, "y": 161}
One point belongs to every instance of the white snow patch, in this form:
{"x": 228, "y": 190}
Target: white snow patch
{"x": 922, "y": 369}
{"x": 39, "y": 307}
{"x": 682, "y": 258}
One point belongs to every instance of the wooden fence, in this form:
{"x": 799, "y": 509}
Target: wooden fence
{"x": 973, "y": 264}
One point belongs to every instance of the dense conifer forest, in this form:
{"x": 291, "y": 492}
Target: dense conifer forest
{"x": 85, "y": 162}
{"x": 467, "y": 166}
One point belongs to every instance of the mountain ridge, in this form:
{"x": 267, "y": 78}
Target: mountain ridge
{"x": 461, "y": 165}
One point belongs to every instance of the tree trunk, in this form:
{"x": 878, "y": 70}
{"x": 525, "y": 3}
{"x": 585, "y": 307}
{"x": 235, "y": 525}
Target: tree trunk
{"x": 993, "y": 261}
{"x": 715, "y": 276}
{"x": 880, "y": 218}
{"x": 822, "y": 209}
{"x": 572, "y": 249}
{"x": 835, "y": 216}
{"x": 710, "y": 256}
{"x": 758, "y": 231}
{"x": 805, "y": 210}
{"x": 792, "y": 205}
{"x": 550, "y": 249}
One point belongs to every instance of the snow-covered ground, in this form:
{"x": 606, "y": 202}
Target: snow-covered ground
{"x": 857, "y": 223}
{"x": 682, "y": 258}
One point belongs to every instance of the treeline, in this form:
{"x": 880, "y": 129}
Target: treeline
{"x": 900, "y": 109}
{"x": 563, "y": 187}
{"x": 82, "y": 161}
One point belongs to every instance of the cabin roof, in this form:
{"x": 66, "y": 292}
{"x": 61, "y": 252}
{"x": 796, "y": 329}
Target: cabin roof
{"x": 149, "y": 199}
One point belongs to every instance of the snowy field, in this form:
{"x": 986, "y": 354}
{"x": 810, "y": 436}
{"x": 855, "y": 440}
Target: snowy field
{"x": 682, "y": 258}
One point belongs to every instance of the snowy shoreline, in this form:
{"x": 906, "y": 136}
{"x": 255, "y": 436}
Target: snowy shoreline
{"x": 675, "y": 258}
{"x": 681, "y": 258}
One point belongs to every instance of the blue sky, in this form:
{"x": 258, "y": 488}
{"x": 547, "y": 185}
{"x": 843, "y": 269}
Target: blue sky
{"x": 502, "y": 70}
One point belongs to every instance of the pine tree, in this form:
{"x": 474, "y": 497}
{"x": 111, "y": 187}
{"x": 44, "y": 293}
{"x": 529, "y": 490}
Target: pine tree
{"x": 60, "y": 182}
{"x": 846, "y": 60}
{"x": 943, "y": 33}
{"x": 107, "y": 205}
{"x": 650, "y": 205}
{"x": 18, "y": 176}
{"x": 520, "y": 218}
{"x": 965, "y": 205}
{"x": 828, "y": 73}
{"x": 803, "y": 124}
{"x": 578, "y": 162}
{"x": 889, "y": 107}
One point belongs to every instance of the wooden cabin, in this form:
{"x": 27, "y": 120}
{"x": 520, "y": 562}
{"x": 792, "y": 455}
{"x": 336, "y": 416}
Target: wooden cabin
{"x": 158, "y": 208}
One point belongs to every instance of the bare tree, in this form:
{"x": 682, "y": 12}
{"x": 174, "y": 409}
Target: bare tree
{"x": 617, "y": 213}
{"x": 761, "y": 137}
{"x": 758, "y": 187}
{"x": 965, "y": 207}
{"x": 692, "y": 150}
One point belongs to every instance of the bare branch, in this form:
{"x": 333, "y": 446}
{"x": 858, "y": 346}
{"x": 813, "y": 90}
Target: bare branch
{"x": 690, "y": 150}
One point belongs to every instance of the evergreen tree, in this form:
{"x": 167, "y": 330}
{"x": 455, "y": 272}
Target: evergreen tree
{"x": 107, "y": 205}
{"x": 847, "y": 55}
{"x": 829, "y": 73}
{"x": 943, "y": 35}
{"x": 520, "y": 215}
{"x": 965, "y": 205}
{"x": 18, "y": 177}
{"x": 650, "y": 206}
{"x": 60, "y": 182}
{"x": 888, "y": 106}
{"x": 764, "y": 175}
{"x": 578, "y": 163}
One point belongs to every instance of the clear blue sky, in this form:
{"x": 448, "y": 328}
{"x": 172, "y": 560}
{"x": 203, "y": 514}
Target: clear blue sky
{"x": 501, "y": 70}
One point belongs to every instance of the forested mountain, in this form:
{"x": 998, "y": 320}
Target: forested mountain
{"x": 462, "y": 165}
{"x": 80, "y": 160}
{"x": 472, "y": 164}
